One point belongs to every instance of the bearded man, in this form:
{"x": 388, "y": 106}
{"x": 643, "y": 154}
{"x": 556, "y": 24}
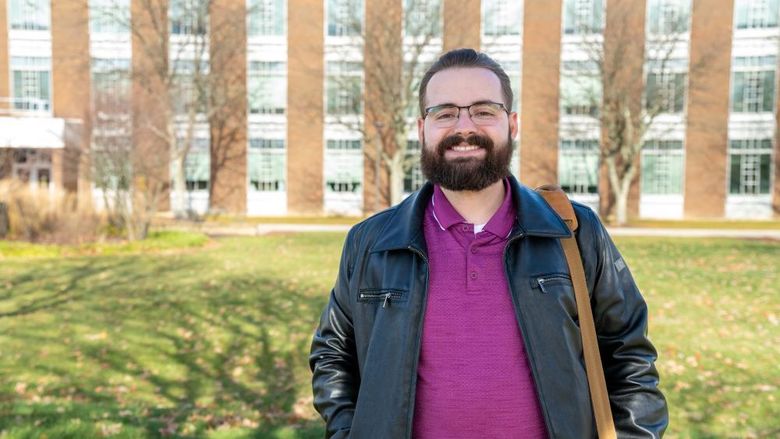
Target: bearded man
{"x": 453, "y": 314}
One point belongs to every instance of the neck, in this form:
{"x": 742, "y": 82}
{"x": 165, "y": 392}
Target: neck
{"x": 477, "y": 207}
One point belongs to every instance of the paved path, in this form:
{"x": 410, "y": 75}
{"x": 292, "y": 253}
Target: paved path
{"x": 263, "y": 229}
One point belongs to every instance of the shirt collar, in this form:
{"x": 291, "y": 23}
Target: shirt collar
{"x": 500, "y": 224}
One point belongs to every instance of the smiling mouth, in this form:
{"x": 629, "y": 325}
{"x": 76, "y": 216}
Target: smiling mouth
{"x": 464, "y": 148}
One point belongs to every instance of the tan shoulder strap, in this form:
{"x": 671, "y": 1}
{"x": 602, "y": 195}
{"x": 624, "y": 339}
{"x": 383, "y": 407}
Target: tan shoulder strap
{"x": 605, "y": 425}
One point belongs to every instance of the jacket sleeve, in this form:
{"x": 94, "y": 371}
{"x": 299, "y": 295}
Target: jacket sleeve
{"x": 620, "y": 314}
{"x": 333, "y": 361}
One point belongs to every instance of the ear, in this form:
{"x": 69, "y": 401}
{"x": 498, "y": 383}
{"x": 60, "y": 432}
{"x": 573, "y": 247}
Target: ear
{"x": 513, "y": 124}
{"x": 421, "y": 131}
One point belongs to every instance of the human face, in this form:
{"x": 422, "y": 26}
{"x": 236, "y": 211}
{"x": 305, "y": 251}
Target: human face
{"x": 466, "y": 156}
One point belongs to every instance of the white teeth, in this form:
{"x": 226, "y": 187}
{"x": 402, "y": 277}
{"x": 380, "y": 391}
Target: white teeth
{"x": 464, "y": 148}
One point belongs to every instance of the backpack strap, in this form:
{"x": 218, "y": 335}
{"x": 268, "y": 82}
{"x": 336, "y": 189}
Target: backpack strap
{"x": 605, "y": 425}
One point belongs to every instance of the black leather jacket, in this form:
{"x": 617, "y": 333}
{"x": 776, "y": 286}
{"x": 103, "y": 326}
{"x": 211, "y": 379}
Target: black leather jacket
{"x": 365, "y": 351}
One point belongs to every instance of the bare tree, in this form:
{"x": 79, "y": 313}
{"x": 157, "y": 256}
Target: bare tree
{"x": 637, "y": 83}
{"x": 397, "y": 44}
{"x": 175, "y": 93}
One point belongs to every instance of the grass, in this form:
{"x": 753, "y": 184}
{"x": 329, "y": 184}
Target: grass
{"x": 156, "y": 241}
{"x": 709, "y": 224}
{"x": 211, "y": 341}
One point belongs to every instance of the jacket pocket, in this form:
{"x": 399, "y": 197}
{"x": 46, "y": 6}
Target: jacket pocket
{"x": 545, "y": 283}
{"x": 384, "y": 296}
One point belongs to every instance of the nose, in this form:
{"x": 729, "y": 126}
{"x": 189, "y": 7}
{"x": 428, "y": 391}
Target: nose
{"x": 465, "y": 125}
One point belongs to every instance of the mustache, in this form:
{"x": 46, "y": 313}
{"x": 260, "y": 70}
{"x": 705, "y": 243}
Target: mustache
{"x": 456, "y": 139}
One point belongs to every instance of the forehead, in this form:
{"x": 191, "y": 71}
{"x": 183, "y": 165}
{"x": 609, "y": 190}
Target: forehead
{"x": 463, "y": 86}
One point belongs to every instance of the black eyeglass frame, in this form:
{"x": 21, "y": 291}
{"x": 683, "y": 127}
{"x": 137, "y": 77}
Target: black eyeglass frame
{"x": 467, "y": 107}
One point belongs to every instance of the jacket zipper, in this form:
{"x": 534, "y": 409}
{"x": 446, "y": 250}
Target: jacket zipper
{"x": 542, "y": 281}
{"x": 528, "y": 350}
{"x": 413, "y": 380}
{"x": 385, "y": 297}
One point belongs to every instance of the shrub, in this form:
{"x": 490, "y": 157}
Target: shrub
{"x": 40, "y": 215}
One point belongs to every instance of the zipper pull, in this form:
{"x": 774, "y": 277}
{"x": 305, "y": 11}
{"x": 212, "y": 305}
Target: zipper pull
{"x": 386, "y": 301}
{"x": 541, "y": 285}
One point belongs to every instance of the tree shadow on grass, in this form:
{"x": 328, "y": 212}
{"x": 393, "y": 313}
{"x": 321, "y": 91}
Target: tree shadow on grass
{"x": 230, "y": 352}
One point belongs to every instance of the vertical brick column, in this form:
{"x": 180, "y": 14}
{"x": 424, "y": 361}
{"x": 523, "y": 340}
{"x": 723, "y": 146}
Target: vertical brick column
{"x": 539, "y": 94}
{"x": 624, "y": 58}
{"x": 706, "y": 136}
{"x": 228, "y": 123}
{"x": 5, "y": 83}
{"x": 150, "y": 103}
{"x": 71, "y": 89}
{"x": 382, "y": 70}
{"x": 305, "y": 122}
{"x": 461, "y": 24}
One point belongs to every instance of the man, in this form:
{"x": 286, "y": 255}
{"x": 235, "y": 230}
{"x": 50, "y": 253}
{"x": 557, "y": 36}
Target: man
{"x": 453, "y": 315}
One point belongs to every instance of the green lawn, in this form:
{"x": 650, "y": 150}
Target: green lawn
{"x": 211, "y": 340}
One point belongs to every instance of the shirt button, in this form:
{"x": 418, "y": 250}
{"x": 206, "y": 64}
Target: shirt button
{"x": 465, "y": 228}
{"x": 473, "y": 249}
{"x": 473, "y": 275}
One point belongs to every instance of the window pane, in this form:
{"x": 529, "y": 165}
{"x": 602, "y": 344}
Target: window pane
{"x": 30, "y": 14}
{"x": 267, "y": 87}
{"x": 662, "y": 167}
{"x": 343, "y": 165}
{"x": 189, "y": 17}
{"x": 501, "y": 17}
{"x": 582, "y": 16}
{"x": 266, "y": 17}
{"x": 422, "y": 18}
{"x": 345, "y": 18}
{"x": 109, "y": 16}
{"x": 578, "y": 166}
{"x": 266, "y": 165}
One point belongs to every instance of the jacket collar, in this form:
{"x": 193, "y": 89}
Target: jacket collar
{"x": 404, "y": 229}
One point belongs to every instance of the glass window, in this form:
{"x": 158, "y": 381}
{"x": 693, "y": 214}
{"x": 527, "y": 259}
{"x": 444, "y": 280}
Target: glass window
{"x": 665, "y": 91}
{"x": 668, "y": 16}
{"x": 189, "y": 17}
{"x": 580, "y": 88}
{"x": 345, "y": 18}
{"x": 344, "y": 88}
{"x": 756, "y": 14}
{"x": 501, "y": 17}
{"x": 662, "y": 167}
{"x": 414, "y": 179}
{"x": 581, "y": 17}
{"x": 111, "y": 85}
{"x": 422, "y": 18}
{"x": 267, "y": 87}
{"x": 343, "y": 165}
{"x": 31, "y": 83}
{"x": 190, "y": 89}
{"x": 266, "y": 17}
{"x": 267, "y": 165}
{"x": 109, "y": 16}
{"x": 578, "y": 166}
{"x": 753, "y": 84}
{"x": 751, "y": 166}
{"x": 30, "y": 14}
{"x": 197, "y": 165}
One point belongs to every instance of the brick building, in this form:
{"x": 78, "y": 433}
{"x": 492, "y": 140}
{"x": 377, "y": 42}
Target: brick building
{"x": 299, "y": 68}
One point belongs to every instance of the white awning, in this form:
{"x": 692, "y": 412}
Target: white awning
{"x": 32, "y": 132}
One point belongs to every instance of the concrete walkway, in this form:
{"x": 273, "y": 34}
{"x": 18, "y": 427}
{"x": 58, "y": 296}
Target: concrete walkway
{"x": 263, "y": 229}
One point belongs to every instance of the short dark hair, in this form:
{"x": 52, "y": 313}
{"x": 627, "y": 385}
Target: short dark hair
{"x": 466, "y": 58}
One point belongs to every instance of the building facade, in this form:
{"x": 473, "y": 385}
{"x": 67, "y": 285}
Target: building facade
{"x": 267, "y": 107}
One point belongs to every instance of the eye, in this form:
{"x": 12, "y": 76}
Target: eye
{"x": 445, "y": 113}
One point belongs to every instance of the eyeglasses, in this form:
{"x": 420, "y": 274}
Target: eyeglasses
{"x": 481, "y": 113}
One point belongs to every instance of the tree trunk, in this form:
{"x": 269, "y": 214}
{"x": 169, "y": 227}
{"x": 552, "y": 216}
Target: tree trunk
{"x": 396, "y": 180}
{"x": 179, "y": 187}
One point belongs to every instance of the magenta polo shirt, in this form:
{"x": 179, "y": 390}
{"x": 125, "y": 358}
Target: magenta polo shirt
{"x": 473, "y": 379}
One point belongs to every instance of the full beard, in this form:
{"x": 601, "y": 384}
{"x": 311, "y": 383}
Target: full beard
{"x": 466, "y": 173}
